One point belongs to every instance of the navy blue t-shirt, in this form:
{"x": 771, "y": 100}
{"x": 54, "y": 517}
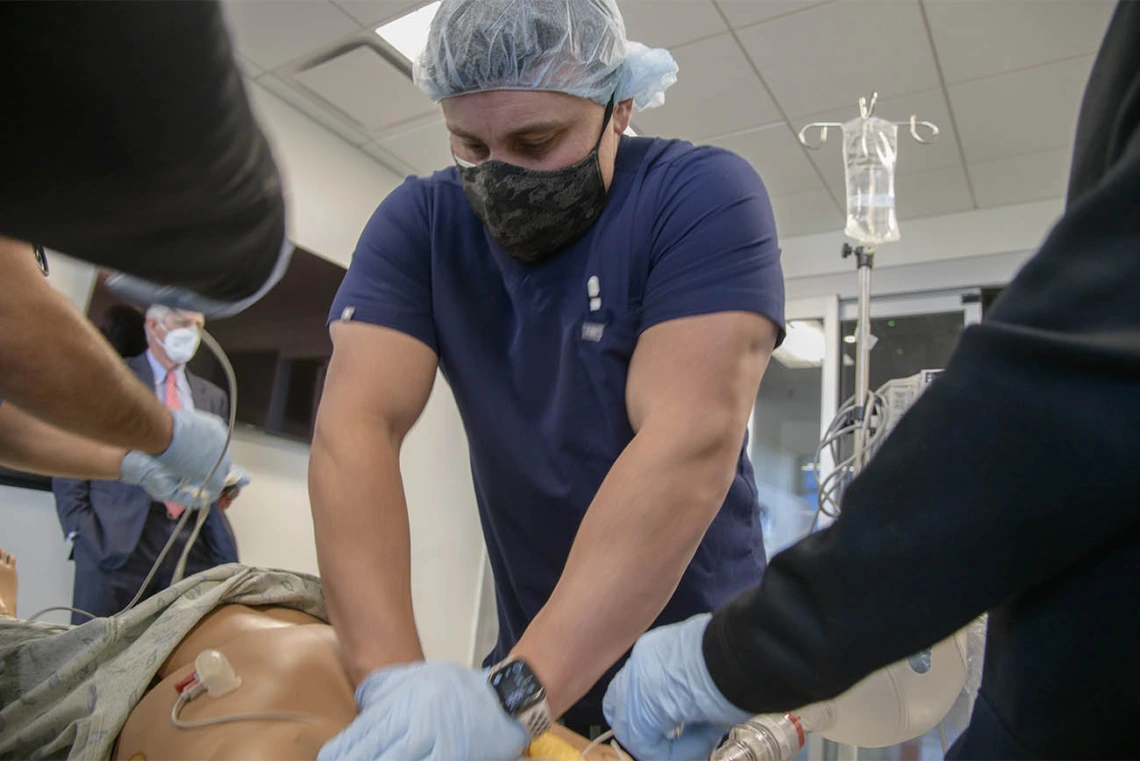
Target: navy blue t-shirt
{"x": 539, "y": 370}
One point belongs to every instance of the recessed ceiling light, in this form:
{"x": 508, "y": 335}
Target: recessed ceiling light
{"x": 409, "y": 33}
{"x": 848, "y": 339}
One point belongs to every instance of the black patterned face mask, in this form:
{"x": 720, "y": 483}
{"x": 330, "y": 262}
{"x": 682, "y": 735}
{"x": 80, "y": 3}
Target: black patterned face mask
{"x": 534, "y": 213}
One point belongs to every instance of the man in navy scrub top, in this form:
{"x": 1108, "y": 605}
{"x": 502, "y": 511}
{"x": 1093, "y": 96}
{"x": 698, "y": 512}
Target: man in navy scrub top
{"x": 603, "y": 308}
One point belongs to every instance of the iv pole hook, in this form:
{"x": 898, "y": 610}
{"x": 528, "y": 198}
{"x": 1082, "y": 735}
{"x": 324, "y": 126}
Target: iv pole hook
{"x": 867, "y": 110}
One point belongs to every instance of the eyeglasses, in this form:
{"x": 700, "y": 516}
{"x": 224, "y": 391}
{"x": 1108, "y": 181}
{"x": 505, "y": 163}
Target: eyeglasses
{"x": 41, "y": 258}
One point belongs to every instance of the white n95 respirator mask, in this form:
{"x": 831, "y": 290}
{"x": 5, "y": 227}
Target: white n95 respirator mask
{"x": 181, "y": 344}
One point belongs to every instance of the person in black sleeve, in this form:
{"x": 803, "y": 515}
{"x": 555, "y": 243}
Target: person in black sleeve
{"x": 1010, "y": 487}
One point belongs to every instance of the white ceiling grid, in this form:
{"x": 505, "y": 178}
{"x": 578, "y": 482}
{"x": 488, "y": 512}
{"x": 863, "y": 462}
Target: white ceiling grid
{"x": 1001, "y": 78}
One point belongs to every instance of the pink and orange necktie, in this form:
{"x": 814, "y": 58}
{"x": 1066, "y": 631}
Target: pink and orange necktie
{"x": 173, "y": 403}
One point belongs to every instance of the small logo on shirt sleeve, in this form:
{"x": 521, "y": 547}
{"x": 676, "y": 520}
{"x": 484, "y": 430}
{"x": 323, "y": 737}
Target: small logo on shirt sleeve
{"x": 594, "y": 291}
{"x": 347, "y": 313}
{"x": 592, "y": 331}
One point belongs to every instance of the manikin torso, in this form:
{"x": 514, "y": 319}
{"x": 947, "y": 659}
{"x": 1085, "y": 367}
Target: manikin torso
{"x": 288, "y": 662}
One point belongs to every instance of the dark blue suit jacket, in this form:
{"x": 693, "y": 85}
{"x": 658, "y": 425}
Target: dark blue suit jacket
{"x": 108, "y": 516}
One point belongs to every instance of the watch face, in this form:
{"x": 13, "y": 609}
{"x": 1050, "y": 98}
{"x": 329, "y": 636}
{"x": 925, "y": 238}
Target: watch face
{"x": 517, "y": 686}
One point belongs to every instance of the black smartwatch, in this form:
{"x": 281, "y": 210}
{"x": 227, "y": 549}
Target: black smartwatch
{"x": 521, "y": 695}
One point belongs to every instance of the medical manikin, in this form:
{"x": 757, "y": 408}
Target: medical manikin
{"x": 281, "y": 690}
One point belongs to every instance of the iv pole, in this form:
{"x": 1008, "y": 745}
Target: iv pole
{"x": 863, "y": 403}
{"x": 870, "y": 153}
{"x": 864, "y": 262}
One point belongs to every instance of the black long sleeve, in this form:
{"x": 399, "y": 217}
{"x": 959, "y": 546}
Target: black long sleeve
{"x": 128, "y": 142}
{"x": 1012, "y": 476}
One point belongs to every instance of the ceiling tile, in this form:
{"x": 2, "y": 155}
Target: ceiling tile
{"x": 930, "y": 194}
{"x": 1020, "y": 112}
{"x": 745, "y": 12}
{"x": 667, "y": 23}
{"x": 313, "y": 108}
{"x": 777, "y": 155}
{"x": 820, "y": 58}
{"x": 273, "y": 32}
{"x": 716, "y": 93}
{"x": 929, "y": 105}
{"x": 1032, "y": 177}
{"x": 806, "y": 213}
{"x": 393, "y": 163}
{"x": 426, "y": 149}
{"x": 367, "y": 88}
{"x": 979, "y": 38}
{"x": 248, "y": 67}
{"x": 376, "y": 12}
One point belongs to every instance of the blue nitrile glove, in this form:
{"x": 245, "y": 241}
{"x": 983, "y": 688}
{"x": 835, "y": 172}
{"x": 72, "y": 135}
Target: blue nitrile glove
{"x": 664, "y": 686}
{"x": 197, "y": 441}
{"x": 160, "y": 483}
{"x": 428, "y": 712}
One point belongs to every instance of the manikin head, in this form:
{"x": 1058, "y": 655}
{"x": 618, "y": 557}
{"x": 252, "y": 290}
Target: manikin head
{"x": 172, "y": 335}
{"x": 536, "y": 96}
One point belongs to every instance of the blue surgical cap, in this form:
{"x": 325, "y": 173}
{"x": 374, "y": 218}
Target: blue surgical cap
{"x": 577, "y": 47}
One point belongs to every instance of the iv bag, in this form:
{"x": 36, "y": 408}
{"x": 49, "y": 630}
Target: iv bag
{"x": 870, "y": 151}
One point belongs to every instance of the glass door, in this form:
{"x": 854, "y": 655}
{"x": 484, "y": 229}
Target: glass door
{"x": 795, "y": 400}
{"x": 914, "y": 332}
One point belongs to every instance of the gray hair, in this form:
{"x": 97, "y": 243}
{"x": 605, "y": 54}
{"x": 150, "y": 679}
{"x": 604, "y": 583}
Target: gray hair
{"x": 158, "y": 312}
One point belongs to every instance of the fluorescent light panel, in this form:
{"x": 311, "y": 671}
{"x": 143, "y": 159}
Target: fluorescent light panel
{"x": 409, "y": 33}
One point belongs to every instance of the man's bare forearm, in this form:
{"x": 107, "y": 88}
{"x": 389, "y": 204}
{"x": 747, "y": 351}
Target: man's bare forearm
{"x": 363, "y": 546}
{"x": 57, "y": 367}
{"x": 31, "y": 445}
{"x": 633, "y": 546}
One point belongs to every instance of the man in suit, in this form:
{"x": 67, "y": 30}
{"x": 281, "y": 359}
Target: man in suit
{"x": 117, "y": 529}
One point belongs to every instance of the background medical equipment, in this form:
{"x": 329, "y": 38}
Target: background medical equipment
{"x": 905, "y": 700}
{"x": 909, "y": 698}
{"x": 885, "y": 407}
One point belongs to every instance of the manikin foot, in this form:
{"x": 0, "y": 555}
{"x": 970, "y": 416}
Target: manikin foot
{"x": 8, "y": 578}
